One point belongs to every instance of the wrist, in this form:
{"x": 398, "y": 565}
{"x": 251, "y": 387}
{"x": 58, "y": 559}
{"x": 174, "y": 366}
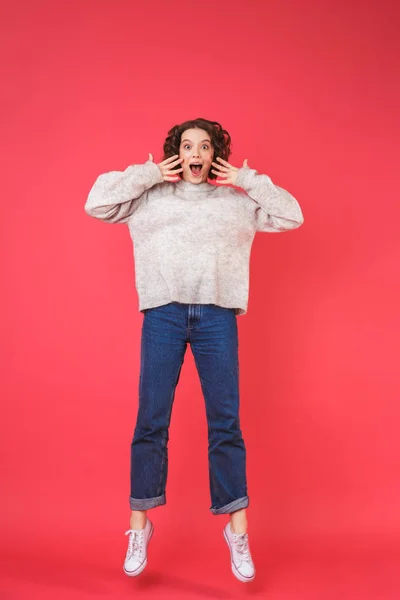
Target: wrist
{"x": 155, "y": 171}
{"x": 241, "y": 176}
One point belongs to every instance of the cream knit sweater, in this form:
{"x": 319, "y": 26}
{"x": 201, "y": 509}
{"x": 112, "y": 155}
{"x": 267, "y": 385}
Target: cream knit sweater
{"x": 192, "y": 241}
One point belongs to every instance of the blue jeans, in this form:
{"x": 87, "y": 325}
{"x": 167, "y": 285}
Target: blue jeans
{"x": 212, "y": 333}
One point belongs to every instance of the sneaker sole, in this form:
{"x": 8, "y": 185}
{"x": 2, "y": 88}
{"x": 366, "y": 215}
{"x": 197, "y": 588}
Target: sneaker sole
{"x": 144, "y": 563}
{"x": 236, "y": 573}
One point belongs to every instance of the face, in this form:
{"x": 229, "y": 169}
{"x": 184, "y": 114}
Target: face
{"x": 195, "y": 147}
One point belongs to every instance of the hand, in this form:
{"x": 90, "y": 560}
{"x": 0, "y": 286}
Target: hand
{"x": 229, "y": 172}
{"x": 166, "y": 165}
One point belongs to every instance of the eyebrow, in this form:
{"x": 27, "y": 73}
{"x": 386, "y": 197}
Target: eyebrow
{"x": 191, "y": 141}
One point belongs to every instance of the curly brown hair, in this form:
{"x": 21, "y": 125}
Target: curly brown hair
{"x": 220, "y": 139}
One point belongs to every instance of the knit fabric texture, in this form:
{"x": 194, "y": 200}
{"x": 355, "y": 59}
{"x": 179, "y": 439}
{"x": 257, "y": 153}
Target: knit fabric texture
{"x": 192, "y": 241}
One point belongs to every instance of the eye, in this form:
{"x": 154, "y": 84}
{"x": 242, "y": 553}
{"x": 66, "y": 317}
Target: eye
{"x": 205, "y": 146}
{"x": 185, "y": 146}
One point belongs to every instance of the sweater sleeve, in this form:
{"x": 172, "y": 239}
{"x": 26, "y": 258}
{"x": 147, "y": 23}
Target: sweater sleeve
{"x": 115, "y": 195}
{"x": 275, "y": 209}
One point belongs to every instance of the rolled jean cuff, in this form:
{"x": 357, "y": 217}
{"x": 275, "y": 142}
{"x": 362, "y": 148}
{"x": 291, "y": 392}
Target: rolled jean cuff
{"x": 145, "y": 503}
{"x": 232, "y": 506}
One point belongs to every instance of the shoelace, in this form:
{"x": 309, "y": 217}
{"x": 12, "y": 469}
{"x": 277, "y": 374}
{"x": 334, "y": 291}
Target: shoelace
{"x": 241, "y": 541}
{"x": 135, "y": 542}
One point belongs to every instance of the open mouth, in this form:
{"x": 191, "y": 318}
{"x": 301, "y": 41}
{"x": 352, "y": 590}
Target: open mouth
{"x": 196, "y": 168}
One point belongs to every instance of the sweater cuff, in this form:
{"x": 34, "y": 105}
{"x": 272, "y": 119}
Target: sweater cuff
{"x": 155, "y": 175}
{"x": 241, "y": 176}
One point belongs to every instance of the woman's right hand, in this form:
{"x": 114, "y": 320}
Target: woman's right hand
{"x": 166, "y": 165}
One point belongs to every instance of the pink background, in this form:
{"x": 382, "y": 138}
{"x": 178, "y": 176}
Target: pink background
{"x": 309, "y": 92}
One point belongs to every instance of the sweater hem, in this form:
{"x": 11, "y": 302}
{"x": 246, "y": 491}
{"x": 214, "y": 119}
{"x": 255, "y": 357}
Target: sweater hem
{"x": 144, "y": 305}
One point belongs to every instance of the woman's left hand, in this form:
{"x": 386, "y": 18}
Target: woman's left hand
{"x": 227, "y": 171}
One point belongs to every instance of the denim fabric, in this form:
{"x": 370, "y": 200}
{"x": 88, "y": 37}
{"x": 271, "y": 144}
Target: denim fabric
{"x": 212, "y": 333}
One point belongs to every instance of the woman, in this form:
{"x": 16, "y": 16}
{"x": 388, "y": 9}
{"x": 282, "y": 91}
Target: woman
{"x": 192, "y": 242}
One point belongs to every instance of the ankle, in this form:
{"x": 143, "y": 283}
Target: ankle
{"x": 238, "y": 521}
{"x": 242, "y": 528}
{"x": 138, "y": 519}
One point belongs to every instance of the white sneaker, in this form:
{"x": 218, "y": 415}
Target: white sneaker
{"x": 241, "y": 561}
{"x": 136, "y": 555}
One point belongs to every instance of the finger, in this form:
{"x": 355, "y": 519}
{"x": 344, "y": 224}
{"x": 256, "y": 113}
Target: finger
{"x": 245, "y": 163}
{"x": 224, "y": 162}
{"x": 171, "y": 178}
{"x": 169, "y": 159}
{"x": 170, "y": 172}
{"x": 218, "y": 173}
{"x": 150, "y": 156}
{"x": 224, "y": 169}
{"x": 176, "y": 162}
{"x": 222, "y": 181}
{"x": 228, "y": 169}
